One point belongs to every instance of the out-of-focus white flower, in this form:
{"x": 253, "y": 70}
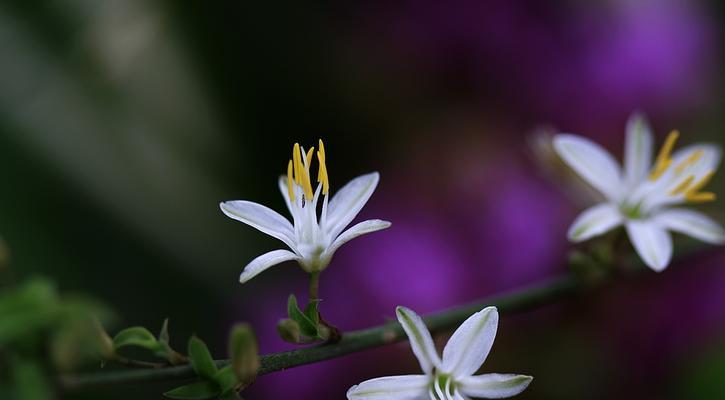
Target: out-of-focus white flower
{"x": 312, "y": 240}
{"x": 450, "y": 377}
{"x": 642, "y": 196}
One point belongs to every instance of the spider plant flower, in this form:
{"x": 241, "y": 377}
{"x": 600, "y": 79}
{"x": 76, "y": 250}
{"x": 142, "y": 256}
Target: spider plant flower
{"x": 645, "y": 197}
{"x": 450, "y": 377}
{"x": 312, "y": 239}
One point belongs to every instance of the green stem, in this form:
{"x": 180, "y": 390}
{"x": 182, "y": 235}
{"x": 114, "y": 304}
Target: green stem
{"x": 314, "y": 286}
{"x": 517, "y": 301}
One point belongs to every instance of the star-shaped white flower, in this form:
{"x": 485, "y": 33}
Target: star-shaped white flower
{"x": 312, "y": 240}
{"x": 450, "y": 377}
{"x": 641, "y": 196}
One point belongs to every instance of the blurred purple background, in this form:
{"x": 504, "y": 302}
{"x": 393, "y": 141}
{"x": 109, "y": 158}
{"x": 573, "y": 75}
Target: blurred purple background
{"x": 125, "y": 123}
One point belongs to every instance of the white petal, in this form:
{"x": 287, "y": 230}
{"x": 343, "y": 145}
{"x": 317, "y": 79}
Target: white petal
{"x": 593, "y": 163}
{"x": 494, "y": 386}
{"x": 265, "y": 261}
{"x": 458, "y": 396}
{"x": 348, "y": 201}
{"x": 595, "y": 221}
{"x": 692, "y": 223}
{"x": 263, "y": 218}
{"x": 359, "y": 229}
{"x": 420, "y": 339}
{"x": 402, "y": 387}
{"x": 637, "y": 149}
{"x": 652, "y": 242}
{"x": 468, "y": 348}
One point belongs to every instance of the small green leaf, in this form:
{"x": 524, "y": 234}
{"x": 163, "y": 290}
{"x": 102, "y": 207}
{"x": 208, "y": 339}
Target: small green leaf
{"x": 307, "y": 326}
{"x": 164, "y": 350}
{"x": 28, "y": 310}
{"x": 312, "y": 312}
{"x": 225, "y": 379}
{"x": 164, "y": 334}
{"x": 136, "y": 336}
{"x": 194, "y": 391}
{"x": 244, "y": 353}
{"x": 201, "y": 359}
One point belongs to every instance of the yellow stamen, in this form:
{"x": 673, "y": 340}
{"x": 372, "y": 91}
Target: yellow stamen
{"x": 322, "y": 170}
{"x": 663, "y": 158}
{"x": 683, "y": 186}
{"x": 701, "y": 197}
{"x": 309, "y": 157}
{"x": 306, "y": 186}
{"x": 297, "y": 163}
{"x": 701, "y": 183}
{"x": 694, "y": 195}
{"x": 289, "y": 182}
{"x": 321, "y": 153}
{"x": 304, "y": 175}
{"x": 693, "y": 158}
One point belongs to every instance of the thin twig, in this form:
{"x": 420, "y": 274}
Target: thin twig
{"x": 516, "y": 301}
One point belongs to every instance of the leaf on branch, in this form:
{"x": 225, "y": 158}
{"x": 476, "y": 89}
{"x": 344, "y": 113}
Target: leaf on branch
{"x": 164, "y": 348}
{"x": 308, "y": 327}
{"x": 194, "y": 391}
{"x": 136, "y": 336}
{"x": 201, "y": 359}
{"x": 226, "y": 380}
{"x": 164, "y": 334}
{"x": 312, "y": 312}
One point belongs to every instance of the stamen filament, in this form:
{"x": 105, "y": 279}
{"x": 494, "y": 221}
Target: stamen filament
{"x": 290, "y": 188}
{"x": 663, "y": 158}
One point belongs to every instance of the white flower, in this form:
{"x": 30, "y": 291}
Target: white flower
{"x": 641, "y": 196}
{"x": 449, "y": 378}
{"x": 313, "y": 241}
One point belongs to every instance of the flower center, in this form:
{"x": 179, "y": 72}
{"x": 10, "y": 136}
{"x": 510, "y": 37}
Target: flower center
{"x": 689, "y": 186}
{"x": 442, "y": 387}
{"x": 631, "y": 211}
{"x": 298, "y": 172}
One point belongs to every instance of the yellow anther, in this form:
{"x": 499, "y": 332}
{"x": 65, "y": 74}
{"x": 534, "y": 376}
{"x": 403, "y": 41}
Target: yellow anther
{"x": 322, "y": 169}
{"x": 663, "y": 158}
{"x": 701, "y": 183}
{"x": 701, "y": 197}
{"x": 309, "y": 157}
{"x": 322, "y": 175}
{"x": 307, "y": 186}
{"x": 692, "y": 159}
{"x": 298, "y": 171}
{"x": 683, "y": 186}
{"x": 694, "y": 195}
{"x": 290, "y": 188}
{"x": 321, "y": 152}
{"x": 304, "y": 177}
{"x": 297, "y": 162}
